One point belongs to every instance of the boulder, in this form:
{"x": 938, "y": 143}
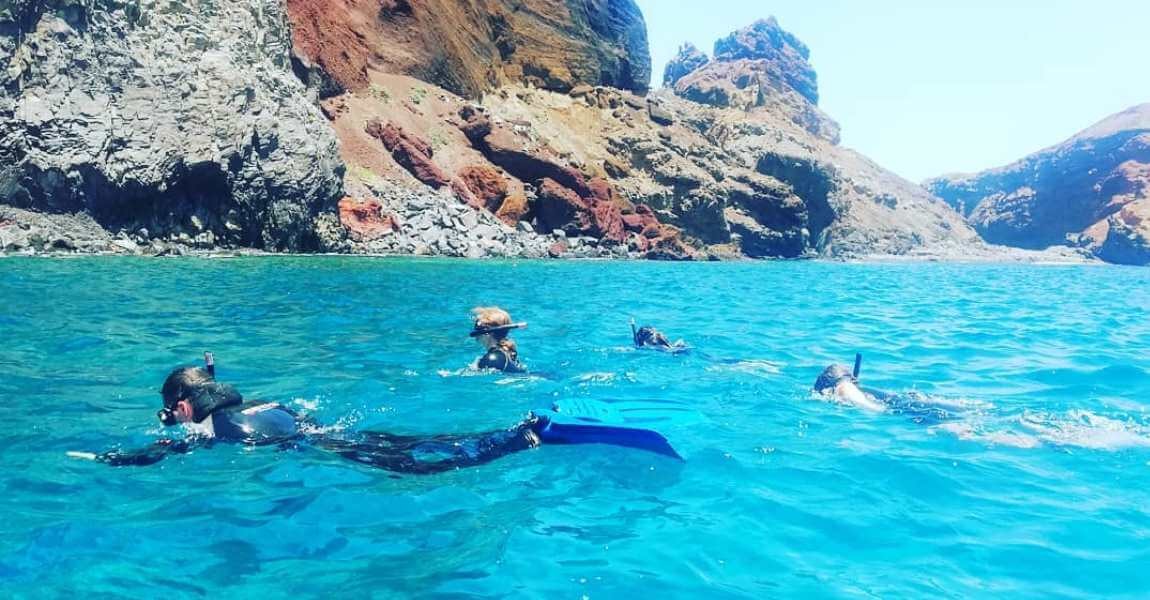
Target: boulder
{"x": 486, "y": 184}
{"x": 411, "y": 152}
{"x": 364, "y": 219}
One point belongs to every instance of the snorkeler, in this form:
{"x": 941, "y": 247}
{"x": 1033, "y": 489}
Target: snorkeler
{"x": 492, "y": 327}
{"x": 842, "y": 384}
{"x": 213, "y": 412}
{"x": 649, "y": 337}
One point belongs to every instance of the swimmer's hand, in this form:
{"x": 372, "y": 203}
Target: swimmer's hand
{"x": 83, "y": 455}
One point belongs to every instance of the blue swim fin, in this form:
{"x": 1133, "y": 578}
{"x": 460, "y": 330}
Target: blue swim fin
{"x": 579, "y": 421}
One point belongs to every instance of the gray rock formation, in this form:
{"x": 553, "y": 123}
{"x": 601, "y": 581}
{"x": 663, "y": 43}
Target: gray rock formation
{"x": 1092, "y": 190}
{"x": 177, "y": 117}
{"x": 686, "y": 61}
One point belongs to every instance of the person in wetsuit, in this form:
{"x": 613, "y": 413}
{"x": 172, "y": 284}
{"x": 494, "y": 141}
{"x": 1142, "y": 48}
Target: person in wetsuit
{"x": 492, "y": 328}
{"x": 649, "y": 337}
{"x": 214, "y": 412}
{"x": 841, "y": 384}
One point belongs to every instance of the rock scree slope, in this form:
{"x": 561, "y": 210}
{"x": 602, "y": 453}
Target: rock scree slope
{"x": 1091, "y": 191}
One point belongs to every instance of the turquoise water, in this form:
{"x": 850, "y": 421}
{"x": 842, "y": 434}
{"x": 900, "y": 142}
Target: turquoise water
{"x": 1039, "y": 488}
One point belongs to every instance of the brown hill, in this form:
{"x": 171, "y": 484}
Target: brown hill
{"x": 1093, "y": 190}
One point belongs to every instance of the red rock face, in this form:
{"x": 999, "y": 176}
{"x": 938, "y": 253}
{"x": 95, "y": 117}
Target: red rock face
{"x": 510, "y": 152}
{"x": 364, "y": 219}
{"x": 410, "y": 152}
{"x": 486, "y": 184}
{"x": 469, "y": 47}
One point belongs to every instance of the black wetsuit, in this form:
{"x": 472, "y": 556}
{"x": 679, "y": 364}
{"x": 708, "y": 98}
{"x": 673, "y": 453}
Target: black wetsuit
{"x": 913, "y": 405}
{"x": 499, "y": 359}
{"x": 434, "y": 454}
{"x": 267, "y": 423}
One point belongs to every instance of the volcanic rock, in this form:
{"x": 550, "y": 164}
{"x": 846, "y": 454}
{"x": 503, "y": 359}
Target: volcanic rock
{"x": 411, "y": 152}
{"x": 472, "y": 47}
{"x": 1091, "y": 190}
{"x": 686, "y": 61}
{"x": 144, "y": 114}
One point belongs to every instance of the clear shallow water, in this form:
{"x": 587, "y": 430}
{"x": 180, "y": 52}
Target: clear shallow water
{"x": 1039, "y": 488}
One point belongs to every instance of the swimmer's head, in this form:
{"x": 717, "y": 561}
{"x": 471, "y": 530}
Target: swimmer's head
{"x": 831, "y": 377}
{"x": 492, "y": 325}
{"x": 649, "y": 336}
{"x": 191, "y": 394}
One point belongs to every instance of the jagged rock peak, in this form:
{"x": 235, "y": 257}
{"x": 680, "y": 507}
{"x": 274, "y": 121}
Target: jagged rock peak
{"x": 760, "y": 67}
{"x": 765, "y": 40}
{"x": 686, "y": 61}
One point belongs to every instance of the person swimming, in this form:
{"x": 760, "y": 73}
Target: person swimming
{"x": 649, "y": 337}
{"x": 492, "y": 329}
{"x": 842, "y": 384}
{"x": 213, "y": 412}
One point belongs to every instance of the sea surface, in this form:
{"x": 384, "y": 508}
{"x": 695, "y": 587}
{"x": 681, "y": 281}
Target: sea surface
{"x": 1036, "y": 485}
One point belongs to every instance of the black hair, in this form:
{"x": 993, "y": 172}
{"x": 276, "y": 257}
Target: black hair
{"x": 647, "y": 335}
{"x": 200, "y": 389}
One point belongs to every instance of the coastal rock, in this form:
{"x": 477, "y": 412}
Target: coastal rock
{"x": 473, "y": 47}
{"x": 364, "y": 219}
{"x": 1091, "y": 190}
{"x": 686, "y": 61}
{"x": 486, "y": 185}
{"x": 761, "y": 67}
{"x": 145, "y": 114}
{"x": 411, "y": 152}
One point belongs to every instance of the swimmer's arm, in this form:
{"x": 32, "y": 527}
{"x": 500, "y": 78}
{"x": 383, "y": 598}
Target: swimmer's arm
{"x": 151, "y": 454}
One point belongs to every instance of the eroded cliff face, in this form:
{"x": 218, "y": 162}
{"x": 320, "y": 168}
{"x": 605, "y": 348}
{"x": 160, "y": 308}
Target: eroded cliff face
{"x": 1092, "y": 190}
{"x": 662, "y": 175}
{"x": 472, "y": 46}
{"x": 180, "y": 120}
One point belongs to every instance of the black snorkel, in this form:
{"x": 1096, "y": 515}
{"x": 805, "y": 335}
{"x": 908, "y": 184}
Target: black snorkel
{"x": 210, "y": 364}
{"x": 858, "y": 367}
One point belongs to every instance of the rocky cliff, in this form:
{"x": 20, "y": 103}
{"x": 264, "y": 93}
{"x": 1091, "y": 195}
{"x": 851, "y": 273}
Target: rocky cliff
{"x": 758, "y": 68}
{"x": 163, "y": 119}
{"x": 467, "y": 128}
{"x": 663, "y": 175}
{"x": 471, "y": 46}
{"x": 1092, "y": 190}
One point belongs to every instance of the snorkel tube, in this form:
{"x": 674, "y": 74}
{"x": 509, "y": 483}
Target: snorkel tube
{"x": 634, "y": 333}
{"x": 210, "y": 364}
{"x": 858, "y": 366}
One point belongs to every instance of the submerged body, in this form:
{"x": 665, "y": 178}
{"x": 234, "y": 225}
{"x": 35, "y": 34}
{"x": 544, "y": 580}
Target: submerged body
{"x": 212, "y": 412}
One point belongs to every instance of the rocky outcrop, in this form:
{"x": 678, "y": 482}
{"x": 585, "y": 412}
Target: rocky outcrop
{"x": 686, "y": 61}
{"x": 760, "y": 67}
{"x": 174, "y": 118}
{"x": 1092, "y": 190}
{"x": 475, "y": 46}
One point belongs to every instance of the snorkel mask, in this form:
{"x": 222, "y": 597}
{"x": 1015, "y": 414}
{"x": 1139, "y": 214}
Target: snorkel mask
{"x": 832, "y": 375}
{"x": 495, "y": 329}
{"x": 204, "y": 399}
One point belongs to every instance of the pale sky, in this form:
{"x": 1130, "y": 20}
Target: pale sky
{"x": 929, "y": 87}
